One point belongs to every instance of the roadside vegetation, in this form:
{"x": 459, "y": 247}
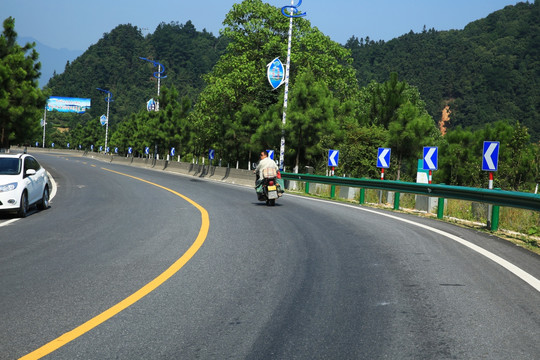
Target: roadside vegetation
{"x": 482, "y": 81}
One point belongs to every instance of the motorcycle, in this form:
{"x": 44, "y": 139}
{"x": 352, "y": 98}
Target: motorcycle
{"x": 269, "y": 189}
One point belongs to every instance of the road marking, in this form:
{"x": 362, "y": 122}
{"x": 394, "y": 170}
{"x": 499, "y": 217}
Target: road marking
{"x": 54, "y": 186}
{"x": 139, "y": 294}
{"x": 523, "y": 275}
{"x": 7, "y": 222}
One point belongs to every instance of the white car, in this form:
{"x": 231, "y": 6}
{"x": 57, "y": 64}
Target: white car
{"x": 23, "y": 182}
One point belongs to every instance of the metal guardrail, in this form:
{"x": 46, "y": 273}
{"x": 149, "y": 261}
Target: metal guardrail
{"x": 495, "y": 197}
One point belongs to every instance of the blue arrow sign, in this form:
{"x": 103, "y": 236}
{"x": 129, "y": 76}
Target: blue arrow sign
{"x": 116, "y": 150}
{"x": 383, "y": 158}
{"x": 68, "y": 145}
{"x": 333, "y": 157}
{"x": 130, "y": 150}
{"x": 270, "y": 154}
{"x": 211, "y": 154}
{"x": 92, "y": 147}
{"x": 490, "y": 156}
{"x": 173, "y": 151}
{"x": 107, "y": 150}
{"x": 147, "y": 150}
{"x": 431, "y": 157}
{"x": 103, "y": 120}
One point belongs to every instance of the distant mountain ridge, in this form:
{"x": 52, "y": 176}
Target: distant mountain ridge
{"x": 52, "y": 60}
{"x": 114, "y": 63}
{"x": 486, "y": 72}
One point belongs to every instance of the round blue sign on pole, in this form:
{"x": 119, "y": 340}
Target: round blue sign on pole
{"x": 275, "y": 73}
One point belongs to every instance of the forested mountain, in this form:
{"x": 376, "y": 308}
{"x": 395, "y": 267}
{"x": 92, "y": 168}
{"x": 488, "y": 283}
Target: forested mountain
{"x": 216, "y": 95}
{"x": 487, "y": 72}
{"x": 113, "y": 64}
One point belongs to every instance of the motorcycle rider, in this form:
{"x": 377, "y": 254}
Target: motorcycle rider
{"x": 264, "y": 163}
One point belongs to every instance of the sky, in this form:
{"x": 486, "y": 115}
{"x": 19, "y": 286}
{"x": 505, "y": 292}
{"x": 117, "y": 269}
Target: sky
{"x": 77, "y": 24}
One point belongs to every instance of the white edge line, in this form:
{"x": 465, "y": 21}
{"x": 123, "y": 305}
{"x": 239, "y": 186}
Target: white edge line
{"x": 53, "y": 185}
{"x": 6, "y": 223}
{"x": 523, "y": 275}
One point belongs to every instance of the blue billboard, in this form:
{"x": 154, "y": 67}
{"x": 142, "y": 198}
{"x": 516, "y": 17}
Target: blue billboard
{"x": 67, "y": 104}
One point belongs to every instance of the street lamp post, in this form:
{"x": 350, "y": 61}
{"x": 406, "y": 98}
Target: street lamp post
{"x": 108, "y": 99}
{"x": 159, "y": 75}
{"x": 44, "y": 124}
{"x": 293, "y": 12}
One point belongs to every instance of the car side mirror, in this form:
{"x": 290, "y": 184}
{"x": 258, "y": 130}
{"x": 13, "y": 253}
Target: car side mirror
{"x": 30, "y": 172}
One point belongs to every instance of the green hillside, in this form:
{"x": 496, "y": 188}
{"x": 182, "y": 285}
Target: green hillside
{"x": 487, "y": 72}
{"x": 355, "y": 98}
{"x": 113, "y": 63}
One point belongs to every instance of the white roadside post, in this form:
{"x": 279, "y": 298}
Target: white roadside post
{"x": 490, "y": 162}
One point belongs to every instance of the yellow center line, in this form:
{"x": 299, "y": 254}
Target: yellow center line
{"x": 139, "y": 294}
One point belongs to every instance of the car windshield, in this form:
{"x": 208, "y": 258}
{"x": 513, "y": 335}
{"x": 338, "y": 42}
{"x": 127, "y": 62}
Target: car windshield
{"x": 10, "y": 166}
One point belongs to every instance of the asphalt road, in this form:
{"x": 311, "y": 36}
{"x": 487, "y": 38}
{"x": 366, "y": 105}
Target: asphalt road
{"x": 305, "y": 279}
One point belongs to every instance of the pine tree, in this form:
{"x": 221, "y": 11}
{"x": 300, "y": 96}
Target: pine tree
{"x": 21, "y": 100}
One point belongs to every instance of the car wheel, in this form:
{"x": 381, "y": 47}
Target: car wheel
{"x": 23, "y": 208}
{"x": 44, "y": 203}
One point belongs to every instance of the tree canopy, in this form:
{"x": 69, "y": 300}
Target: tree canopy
{"x": 216, "y": 95}
{"x": 486, "y": 72}
{"x": 258, "y": 33}
{"x": 21, "y": 100}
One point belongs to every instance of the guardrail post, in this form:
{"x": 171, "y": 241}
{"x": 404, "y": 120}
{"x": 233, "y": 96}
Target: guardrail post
{"x": 396, "y": 201}
{"x": 307, "y": 187}
{"x": 362, "y": 196}
{"x": 440, "y": 209}
{"x": 495, "y": 217}
{"x": 333, "y": 191}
